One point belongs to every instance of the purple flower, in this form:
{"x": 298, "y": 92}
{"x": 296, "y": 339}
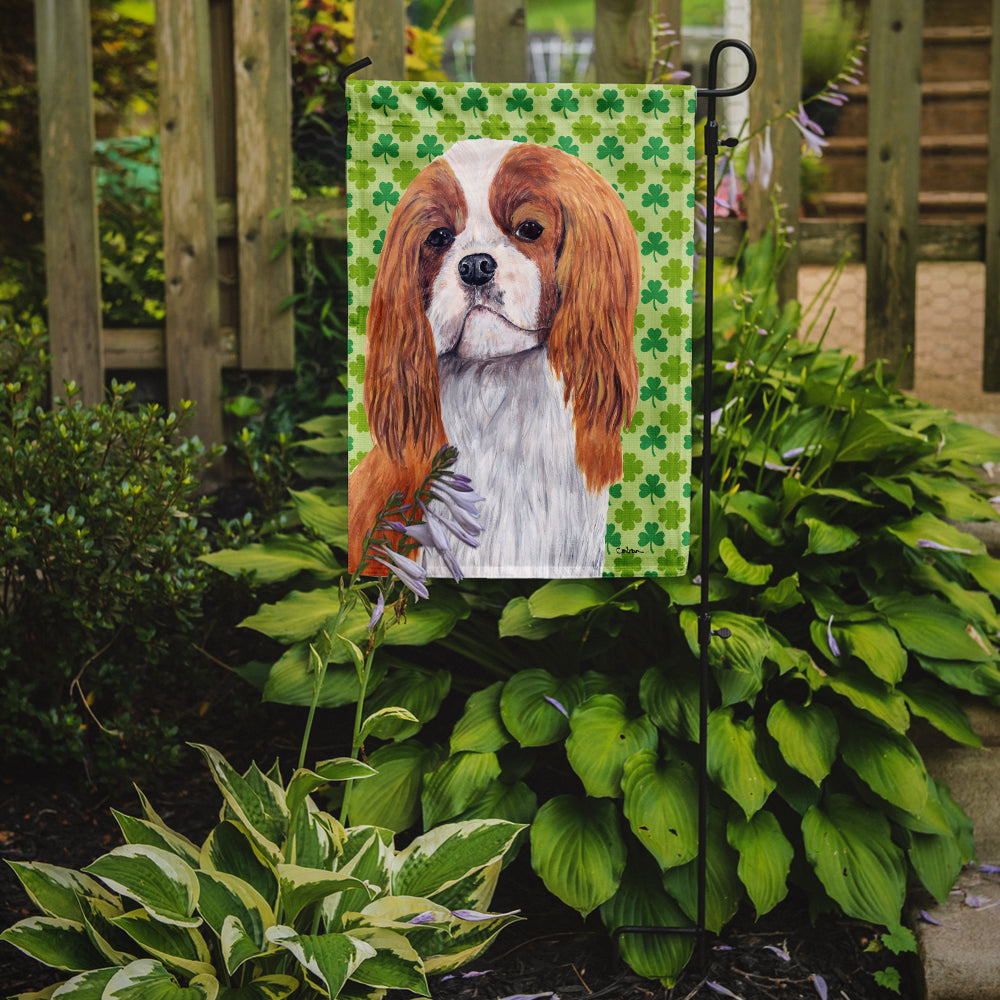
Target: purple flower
{"x": 761, "y": 163}
{"x": 475, "y": 915}
{"x": 377, "y": 611}
{"x": 927, "y": 543}
{"x": 558, "y": 705}
{"x": 811, "y": 132}
{"x": 820, "y": 983}
{"x": 834, "y": 648}
{"x": 427, "y": 917}
{"x": 411, "y": 575}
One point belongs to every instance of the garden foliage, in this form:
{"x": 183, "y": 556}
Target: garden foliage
{"x": 99, "y": 546}
{"x": 854, "y": 605}
{"x": 280, "y": 899}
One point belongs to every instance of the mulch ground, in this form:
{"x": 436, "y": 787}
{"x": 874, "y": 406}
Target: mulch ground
{"x": 551, "y": 952}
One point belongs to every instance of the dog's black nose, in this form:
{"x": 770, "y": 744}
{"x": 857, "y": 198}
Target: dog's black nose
{"x": 476, "y": 269}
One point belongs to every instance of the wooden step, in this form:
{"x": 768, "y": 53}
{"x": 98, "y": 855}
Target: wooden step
{"x": 946, "y": 107}
{"x": 957, "y": 206}
{"x": 947, "y": 163}
{"x": 956, "y": 53}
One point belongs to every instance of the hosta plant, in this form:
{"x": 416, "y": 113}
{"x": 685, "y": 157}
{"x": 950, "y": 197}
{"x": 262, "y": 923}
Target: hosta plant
{"x": 279, "y": 900}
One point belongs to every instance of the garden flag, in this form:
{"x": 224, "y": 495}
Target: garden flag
{"x": 521, "y": 262}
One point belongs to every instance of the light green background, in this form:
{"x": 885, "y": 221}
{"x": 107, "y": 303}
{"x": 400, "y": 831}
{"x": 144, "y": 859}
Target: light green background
{"x": 640, "y": 139}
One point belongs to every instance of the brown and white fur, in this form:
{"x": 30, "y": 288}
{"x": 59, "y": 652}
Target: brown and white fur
{"x": 501, "y": 322}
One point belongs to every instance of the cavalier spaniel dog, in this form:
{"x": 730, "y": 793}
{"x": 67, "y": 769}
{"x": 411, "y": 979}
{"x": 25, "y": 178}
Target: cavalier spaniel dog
{"x": 501, "y": 322}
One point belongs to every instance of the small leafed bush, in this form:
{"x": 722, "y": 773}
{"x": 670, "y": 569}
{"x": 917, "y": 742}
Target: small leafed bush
{"x": 99, "y": 575}
{"x": 280, "y": 899}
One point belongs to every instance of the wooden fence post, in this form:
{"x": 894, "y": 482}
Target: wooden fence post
{"x": 893, "y": 183}
{"x": 776, "y": 35}
{"x": 501, "y": 41}
{"x": 380, "y": 34}
{"x": 72, "y": 255}
{"x": 262, "y": 61}
{"x": 991, "y": 332}
{"x": 190, "y": 251}
{"x": 622, "y": 40}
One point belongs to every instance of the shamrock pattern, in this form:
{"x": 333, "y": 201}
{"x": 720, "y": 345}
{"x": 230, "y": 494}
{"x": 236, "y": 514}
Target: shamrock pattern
{"x": 641, "y": 140}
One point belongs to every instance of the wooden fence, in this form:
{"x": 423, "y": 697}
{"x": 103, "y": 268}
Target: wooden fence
{"x": 226, "y": 161}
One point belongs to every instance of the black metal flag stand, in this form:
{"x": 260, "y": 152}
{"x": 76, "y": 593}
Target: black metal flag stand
{"x": 705, "y": 631}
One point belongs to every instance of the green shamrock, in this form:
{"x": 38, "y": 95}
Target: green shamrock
{"x": 386, "y": 195}
{"x": 631, "y": 176}
{"x": 363, "y": 223}
{"x": 520, "y": 101}
{"x": 361, "y": 271}
{"x": 653, "y": 390}
{"x": 673, "y": 418}
{"x": 616, "y": 491}
{"x": 404, "y": 172}
{"x": 676, "y": 224}
{"x": 361, "y": 173}
{"x": 567, "y": 145}
{"x": 356, "y": 367}
{"x": 677, "y": 320}
{"x": 674, "y": 370}
{"x": 652, "y": 438}
{"x": 610, "y": 149}
{"x": 386, "y": 100}
{"x": 586, "y": 129}
{"x": 638, "y": 220}
{"x": 496, "y": 127}
{"x": 676, "y": 129}
{"x": 385, "y": 148}
{"x": 655, "y": 245}
{"x": 609, "y": 103}
{"x": 451, "y": 128}
{"x": 653, "y": 341}
{"x": 631, "y": 467}
{"x": 675, "y": 273}
{"x": 612, "y": 538}
{"x": 655, "y": 102}
{"x": 676, "y": 176}
{"x": 653, "y": 150}
{"x": 429, "y": 100}
{"x": 628, "y": 515}
{"x": 358, "y": 419}
{"x": 673, "y": 467}
{"x": 565, "y": 102}
{"x": 429, "y": 148}
{"x": 671, "y": 563}
{"x": 631, "y": 129}
{"x": 628, "y": 564}
{"x": 655, "y": 198}
{"x": 671, "y": 515}
{"x": 406, "y": 126}
{"x": 651, "y": 535}
{"x": 540, "y": 128}
{"x": 654, "y": 292}
{"x": 653, "y": 487}
{"x": 363, "y": 126}
{"x": 475, "y": 101}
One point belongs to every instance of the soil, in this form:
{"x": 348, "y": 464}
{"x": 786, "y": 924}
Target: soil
{"x": 551, "y": 952}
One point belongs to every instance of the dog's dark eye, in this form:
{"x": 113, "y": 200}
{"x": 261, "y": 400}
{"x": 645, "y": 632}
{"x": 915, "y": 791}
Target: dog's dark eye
{"x": 442, "y": 237}
{"x": 529, "y": 230}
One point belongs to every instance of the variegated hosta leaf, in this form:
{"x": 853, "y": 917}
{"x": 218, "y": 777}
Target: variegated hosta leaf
{"x": 367, "y": 853}
{"x": 275, "y": 987}
{"x": 149, "y": 980}
{"x": 578, "y": 851}
{"x": 225, "y": 897}
{"x": 850, "y": 847}
{"x": 230, "y": 849}
{"x": 141, "y": 831}
{"x": 642, "y": 902}
{"x": 315, "y": 838}
{"x": 87, "y": 986}
{"x": 441, "y": 857}
{"x": 807, "y": 736}
{"x": 300, "y": 887}
{"x": 56, "y": 891}
{"x": 661, "y": 799}
{"x": 329, "y": 959}
{"x": 395, "y": 964}
{"x": 304, "y": 782}
{"x": 468, "y": 939}
{"x": 475, "y": 891}
{"x": 158, "y": 880}
{"x": 54, "y": 941}
{"x": 256, "y": 801}
{"x": 732, "y": 760}
{"x": 765, "y": 858}
{"x": 177, "y": 947}
{"x": 116, "y": 946}
{"x": 602, "y": 737}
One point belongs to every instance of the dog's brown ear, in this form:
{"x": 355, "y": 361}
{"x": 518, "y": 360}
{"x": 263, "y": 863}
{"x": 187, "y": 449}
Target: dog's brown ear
{"x": 590, "y": 343}
{"x": 402, "y": 398}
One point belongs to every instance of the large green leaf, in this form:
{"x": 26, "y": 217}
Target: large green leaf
{"x": 301, "y": 887}
{"x": 535, "y": 706}
{"x": 225, "y": 897}
{"x": 481, "y": 728}
{"x": 888, "y": 763}
{"x": 807, "y": 736}
{"x": 56, "y": 891}
{"x": 391, "y": 798}
{"x": 163, "y": 884}
{"x": 924, "y": 528}
{"x": 602, "y": 738}
{"x": 941, "y": 709}
{"x": 765, "y": 858}
{"x": 558, "y": 598}
{"x": 828, "y": 539}
{"x": 957, "y": 501}
{"x": 304, "y": 782}
{"x": 456, "y": 784}
{"x": 278, "y": 558}
{"x": 181, "y": 948}
{"x": 976, "y": 678}
{"x": 851, "y": 850}
{"x": 438, "y": 859}
{"x": 54, "y": 941}
{"x": 147, "y": 979}
{"x": 932, "y": 628}
{"x": 328, "y": 521}
{"x": 671, "y": 699}
{"x": 739, "y": 569}
{"x": 864, "y": 691}
{"x": 329, "y": 959}
{"x": 517, "y": 620}
{"x": 274, "y": 987}
{"x": 417, "y": 689}
{"x": 516, "y": 803}
{"x": 291, "y": 680}
{"x": 732, "y": 760}
{"x": 869, "y": 436}
{"x": 876, "y": 646}
{"x": 738, "y": 660}
{"x": 578, "y": 851}
{"x": 661, "y": 800}
{"x": 641, "y": 901}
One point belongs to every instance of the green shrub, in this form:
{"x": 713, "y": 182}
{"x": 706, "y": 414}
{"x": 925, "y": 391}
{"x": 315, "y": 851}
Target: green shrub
{"x": 99, "y": 541}
{"x": 279, "y": 900}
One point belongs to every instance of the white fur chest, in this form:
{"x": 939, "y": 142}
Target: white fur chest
{"x": 516, "y": 442}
